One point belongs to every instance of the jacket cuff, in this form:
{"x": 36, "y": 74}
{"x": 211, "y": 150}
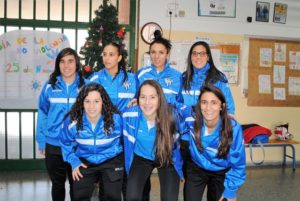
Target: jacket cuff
{"x": 75, "y": 164}
{"x": 230, "y": 194}
{"x": 42, "y": 146}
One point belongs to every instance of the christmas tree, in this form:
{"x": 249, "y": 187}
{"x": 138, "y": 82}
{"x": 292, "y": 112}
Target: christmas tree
{"x": 103, "y": 29}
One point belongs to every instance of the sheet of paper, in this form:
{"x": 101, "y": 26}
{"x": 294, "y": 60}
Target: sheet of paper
{"x": 264, "y": 84}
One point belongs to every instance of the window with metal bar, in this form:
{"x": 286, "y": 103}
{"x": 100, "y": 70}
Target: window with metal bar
{"x": 71, "y": 17}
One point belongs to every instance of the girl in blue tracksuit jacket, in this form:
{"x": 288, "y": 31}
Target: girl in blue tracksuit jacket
{"x": 119, "y": 84}
{"x": 56, "y": 98}
{"x": 201, "y": 70}
{"x": 216, "y": 147}
{"x": 92, "y": 143}
{"x": 161, "y": 71}
{"x": 149, "y": 135}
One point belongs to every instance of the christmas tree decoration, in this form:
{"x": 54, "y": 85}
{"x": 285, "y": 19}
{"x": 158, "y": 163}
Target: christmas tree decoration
{"x": 86, "y": 44}
{"x": 121, "y": 32}
{"x": 103, "y": 29}
{"x": 100, "y": 42}
{"x": 87, "y": 68}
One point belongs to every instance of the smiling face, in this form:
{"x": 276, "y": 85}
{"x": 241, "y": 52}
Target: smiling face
{"x": 67, "y": 68}
{"x": 210, "y": 108}
{"x": 149, "y": 102}
{"x": 93, "y": 106}
{"x": 158, "y": 55}
{"x": 199, "y": 56}
{"x": 111, "y": 59}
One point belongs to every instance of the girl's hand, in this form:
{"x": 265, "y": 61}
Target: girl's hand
{"x": 42, "y": 152}
{"x": 225, "y": 199}
{"x": 132, "y": 102}
{"x": 76, "y": 173}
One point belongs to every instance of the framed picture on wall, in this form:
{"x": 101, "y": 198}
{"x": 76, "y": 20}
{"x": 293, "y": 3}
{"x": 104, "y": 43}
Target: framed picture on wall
{"x": 217, "y": 8}
{"x": 262, "y": 11}
{"x": 280, "y": 12}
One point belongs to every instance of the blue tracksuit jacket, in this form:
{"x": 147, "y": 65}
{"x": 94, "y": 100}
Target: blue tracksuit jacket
{"x": 235, "y": 161}
{"x": 169, "y": 79}
{"x": 53, "y": 105}
{"x": 120, "y": 93}
{"x": 93, "y": 145}
{"x": 190, "y": 97}
{"x": 133, "y": 124}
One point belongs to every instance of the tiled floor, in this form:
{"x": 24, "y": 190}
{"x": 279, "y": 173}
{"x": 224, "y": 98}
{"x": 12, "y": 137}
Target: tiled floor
{"x": 263, "y": 184}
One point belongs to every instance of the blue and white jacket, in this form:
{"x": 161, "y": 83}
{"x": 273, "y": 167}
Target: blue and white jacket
{"x": 120, "y": 93}
{"x": 53, "y": 105}
{"x": 208, "y": 160}
{"x": 134, "y": 123}
{"x": 169, "y": 79}
{"x": 92, "y": 145}
{"x": 190, "y": 97}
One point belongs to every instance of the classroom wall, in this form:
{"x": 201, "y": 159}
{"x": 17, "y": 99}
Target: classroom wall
{"x": 230, "y": 30}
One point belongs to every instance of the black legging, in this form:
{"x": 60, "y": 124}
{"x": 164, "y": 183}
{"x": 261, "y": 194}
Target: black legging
{"x": 110, "y": 176}
{"x": 140, "y": 171}
{"x": 197, "y": 179}
{"x": 58, "y": 171}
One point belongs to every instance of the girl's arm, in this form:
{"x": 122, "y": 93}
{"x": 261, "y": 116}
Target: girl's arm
{"x": 236, "y": 175}
{"x": 67, "y": 141}
{"x": 42, "y": 119}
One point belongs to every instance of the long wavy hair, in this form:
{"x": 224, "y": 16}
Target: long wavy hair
{"x": 213, "y": 74}
{"x": 64, "y": 52}
{"x": 225, "y": 138}
{"x": 165, "y": 126}
{"x": 108, "y": 109}
{"x": 122, "y": 63}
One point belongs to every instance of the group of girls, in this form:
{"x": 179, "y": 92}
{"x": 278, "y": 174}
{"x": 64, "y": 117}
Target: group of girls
{"x": 115, "y": 127}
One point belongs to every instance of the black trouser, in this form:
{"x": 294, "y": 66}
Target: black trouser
{"x": 141, "y": 170}
{"x": 146, "y": 191}
{"x": 110, "y": 176}
{"x": 197, "y": 179}
{"x": 186, "y": 156}
{"x": 58, "y": 171}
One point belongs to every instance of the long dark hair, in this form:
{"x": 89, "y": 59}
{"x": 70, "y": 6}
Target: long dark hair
{"x": 158, "y": 39}
{"x": 165, "y": 126}
{"x": 213, "y": 74}
{"x": 225, "y": 128}
{"x": 64, "y": 52}
{"x": 108, "y": 109}
{"x": 122, "y": 63}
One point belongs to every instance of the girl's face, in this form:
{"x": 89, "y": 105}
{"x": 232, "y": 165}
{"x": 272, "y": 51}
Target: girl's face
{"x": 210, "y": 107}
{"x": 149, "y": 102}
{"x": 93, "y": 106}
{"x": 111, "y": 58}
{"x": 158, "y": 55}
{"x": 67, "y": 68}
{"x": 199, "y": 56}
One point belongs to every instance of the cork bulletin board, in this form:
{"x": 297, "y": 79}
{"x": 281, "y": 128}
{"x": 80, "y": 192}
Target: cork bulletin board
{"x": 274, "y": 73}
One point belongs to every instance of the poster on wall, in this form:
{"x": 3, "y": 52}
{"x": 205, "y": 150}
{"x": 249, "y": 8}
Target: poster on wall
{"x": 227, "y": 63}
{"x": 27, "y": 58}
{"x": 262, "y": 11}
{"x": 280, "y": 12}
{"x": 265, "y": 57}
{"x": 217, "y": 8}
